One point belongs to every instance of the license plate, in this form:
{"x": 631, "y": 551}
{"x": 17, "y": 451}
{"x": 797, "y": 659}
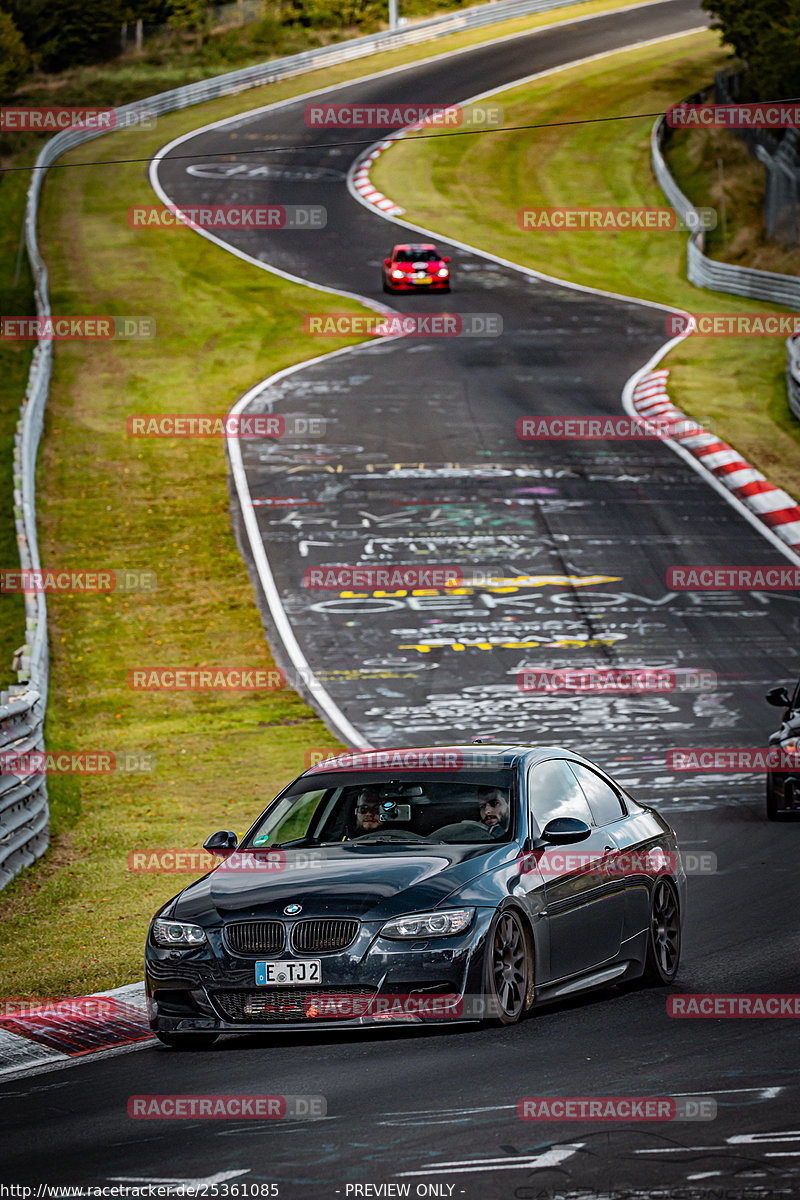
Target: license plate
{"x": 287, "y": 974}
{"x": 422, "y": 279}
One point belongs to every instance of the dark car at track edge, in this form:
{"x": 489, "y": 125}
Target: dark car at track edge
{"x": 783, "y": 787}
{"x": 470, "y": 881}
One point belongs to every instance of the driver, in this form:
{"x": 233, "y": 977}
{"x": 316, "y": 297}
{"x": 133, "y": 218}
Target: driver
{"x": 367, "y": 810}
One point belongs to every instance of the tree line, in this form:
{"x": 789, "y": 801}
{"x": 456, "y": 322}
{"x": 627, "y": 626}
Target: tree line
{"x": 52, "y": 35}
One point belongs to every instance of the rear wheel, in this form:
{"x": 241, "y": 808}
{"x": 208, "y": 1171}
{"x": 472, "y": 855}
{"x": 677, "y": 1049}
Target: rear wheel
{"x": 508, "y": 972}
{"x": 187, "y": 1041}
{"x": 664, "y": 935}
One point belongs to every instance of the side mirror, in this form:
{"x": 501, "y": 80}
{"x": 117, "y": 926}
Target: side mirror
{"x": 778, "y": 697}
{"x": 387, "y": 262}
{"x": 563, "y": 831}
{"x": 222, "y": 843}
{"x": 445, "y": 259}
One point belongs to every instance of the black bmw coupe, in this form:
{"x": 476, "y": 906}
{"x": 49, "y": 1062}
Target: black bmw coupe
{"x": 421, "y": 885}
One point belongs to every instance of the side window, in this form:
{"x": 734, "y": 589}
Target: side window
{"x": 604, "y": 802}
{"x": 555, "y": 792}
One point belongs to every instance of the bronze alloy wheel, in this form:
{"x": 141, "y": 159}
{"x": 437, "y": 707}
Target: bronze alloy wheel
{"x": 510, "y": 974}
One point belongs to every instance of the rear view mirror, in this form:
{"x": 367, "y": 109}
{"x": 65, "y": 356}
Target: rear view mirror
{"x": 387, "y": 262}
{"x": 445, "y": 259}
{"x": 390, "y": 811}
{"x": 563, "y": 831}
{"x": 222, "y": 843}
{"x": 779, "y": 697}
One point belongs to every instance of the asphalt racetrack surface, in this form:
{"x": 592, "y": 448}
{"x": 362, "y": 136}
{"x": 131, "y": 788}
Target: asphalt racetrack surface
{"x": 420, "y": 461}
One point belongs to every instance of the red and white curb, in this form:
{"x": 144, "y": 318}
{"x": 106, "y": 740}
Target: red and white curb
{"x": 52, "y": 1036}
{"x": 774, "y": 508}
{"x": 364, "y": 186}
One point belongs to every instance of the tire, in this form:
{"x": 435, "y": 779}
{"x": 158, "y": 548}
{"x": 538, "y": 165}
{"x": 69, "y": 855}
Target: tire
{"x": 508, "y": 968}
{"x": 187, "y": 1041}
{"x": 663, "y": 936}
{"x": 776, "y": 800}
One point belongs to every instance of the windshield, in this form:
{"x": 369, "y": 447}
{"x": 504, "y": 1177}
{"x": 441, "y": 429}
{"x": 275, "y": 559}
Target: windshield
{"x": 411, "y": 256}
{"x": 464, "y": 810}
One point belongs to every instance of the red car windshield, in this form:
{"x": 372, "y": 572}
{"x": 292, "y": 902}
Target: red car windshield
{"x": 412, "y": 256}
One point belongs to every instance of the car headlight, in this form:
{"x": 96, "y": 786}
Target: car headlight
{"x": 177, "y": 933}
{"x": 443, "y": 273}
{"x": 433, "y": 924}
{"x": 791, "y": 746}
{"x": 397, "y": 274}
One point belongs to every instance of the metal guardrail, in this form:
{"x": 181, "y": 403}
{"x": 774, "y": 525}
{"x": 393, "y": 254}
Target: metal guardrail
{"x": 793, "y": 373}
{"x": 707, "y": 272}
{"x": 24, "y": 813}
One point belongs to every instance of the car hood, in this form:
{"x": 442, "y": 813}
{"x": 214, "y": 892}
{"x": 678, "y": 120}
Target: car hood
{"x": 369, "y": 882}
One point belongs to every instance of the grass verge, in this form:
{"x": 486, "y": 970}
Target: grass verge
{"x": 473, "y": 188}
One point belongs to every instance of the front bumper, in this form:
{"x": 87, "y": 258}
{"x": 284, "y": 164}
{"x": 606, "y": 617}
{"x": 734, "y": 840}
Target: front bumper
{"x": 410, "y": 285}
{"x": 210, "y": 989}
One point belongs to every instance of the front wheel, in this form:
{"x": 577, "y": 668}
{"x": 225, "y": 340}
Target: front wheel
{"x": 508, "y": 971}
{"x": 781, "y": 799}
{"x": 664, "y": 935}
{"x": 187, "y": 1041}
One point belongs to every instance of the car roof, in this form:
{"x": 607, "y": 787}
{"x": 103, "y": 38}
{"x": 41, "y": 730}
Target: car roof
{"x": 415, "y": 246}
{"x": 484, "y": 754}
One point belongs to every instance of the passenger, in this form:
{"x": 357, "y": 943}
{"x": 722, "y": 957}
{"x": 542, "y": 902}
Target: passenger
{"x": 494, "y": 809}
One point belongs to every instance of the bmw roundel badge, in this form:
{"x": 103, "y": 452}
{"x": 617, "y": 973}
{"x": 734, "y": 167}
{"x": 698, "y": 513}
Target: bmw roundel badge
{"x": 291, "y": 910}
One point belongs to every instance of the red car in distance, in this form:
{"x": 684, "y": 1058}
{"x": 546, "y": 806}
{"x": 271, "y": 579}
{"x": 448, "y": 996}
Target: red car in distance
{"x": 416, "y": 267}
